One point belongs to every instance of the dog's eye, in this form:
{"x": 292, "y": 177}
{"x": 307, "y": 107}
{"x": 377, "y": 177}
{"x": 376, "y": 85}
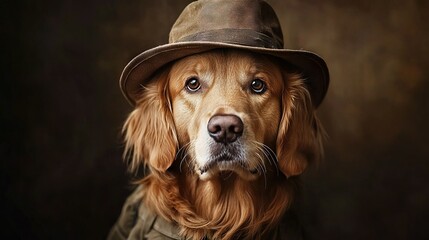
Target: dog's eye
{"x": 192, "y": 84}
{"x": 258, "y": 86}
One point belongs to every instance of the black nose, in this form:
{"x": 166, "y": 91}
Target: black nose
{"x": 225, "y": 128}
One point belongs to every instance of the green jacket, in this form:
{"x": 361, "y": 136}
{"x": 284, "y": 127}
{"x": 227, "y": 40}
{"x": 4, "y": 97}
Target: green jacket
{"x": 137, "y": 222}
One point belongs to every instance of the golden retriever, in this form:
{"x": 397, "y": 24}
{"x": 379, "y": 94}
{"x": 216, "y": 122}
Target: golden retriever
{"x": 223, "y": 134}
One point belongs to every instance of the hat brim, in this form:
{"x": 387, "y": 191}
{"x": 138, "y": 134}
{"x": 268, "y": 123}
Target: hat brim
{"x": 140, "y": 69}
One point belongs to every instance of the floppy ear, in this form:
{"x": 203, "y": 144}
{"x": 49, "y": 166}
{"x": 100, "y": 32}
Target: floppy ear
{"x": 150, "y": 135}
{"x": 299, "y": 140}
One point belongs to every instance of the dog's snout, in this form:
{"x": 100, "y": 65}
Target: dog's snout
{"x": 225, "y": 128}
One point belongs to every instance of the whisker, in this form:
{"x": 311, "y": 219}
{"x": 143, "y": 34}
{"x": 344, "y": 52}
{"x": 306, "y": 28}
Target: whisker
{"x": 261, "y": 166}
{"x": 261, "y": 156}
{"x": 265, "y": 180}
{"x": 184, "y": 153}
{"x": 269, "y": 154}
{"x": 261, "y": 163}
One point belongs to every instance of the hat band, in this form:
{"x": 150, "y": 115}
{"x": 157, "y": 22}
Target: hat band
{"x": 244, "y": 37}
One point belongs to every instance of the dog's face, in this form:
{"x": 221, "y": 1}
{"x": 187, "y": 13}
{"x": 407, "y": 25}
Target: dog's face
{"x": 224, "y": 111}
{"x": 227, "y": 109}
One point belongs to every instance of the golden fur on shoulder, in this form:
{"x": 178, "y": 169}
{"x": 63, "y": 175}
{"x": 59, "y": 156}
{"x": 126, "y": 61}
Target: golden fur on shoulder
{"x": 224, "y": 189}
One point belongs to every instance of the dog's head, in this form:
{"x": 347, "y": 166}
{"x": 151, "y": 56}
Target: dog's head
{"x": 224, "y": 111}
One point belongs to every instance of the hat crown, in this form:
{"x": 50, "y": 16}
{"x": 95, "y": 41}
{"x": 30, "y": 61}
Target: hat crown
{"x": 204, "y": 25}
{"x": 243, "y": 22}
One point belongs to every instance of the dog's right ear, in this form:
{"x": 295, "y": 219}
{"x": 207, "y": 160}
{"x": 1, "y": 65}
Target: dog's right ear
{"x": 149, "y": 132}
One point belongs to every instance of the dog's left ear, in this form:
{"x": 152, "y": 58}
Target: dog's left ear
{"x": 150, "y": 135}
{"x": 299, "y": 139}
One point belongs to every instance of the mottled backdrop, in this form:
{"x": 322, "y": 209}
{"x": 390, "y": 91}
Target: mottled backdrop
{"x": 61, "y": 113}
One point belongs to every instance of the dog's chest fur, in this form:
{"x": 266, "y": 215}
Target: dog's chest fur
{"x": 137, "y": 221}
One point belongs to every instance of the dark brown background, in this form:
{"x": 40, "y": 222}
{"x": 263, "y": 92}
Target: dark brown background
{"x": 61, "y": 112}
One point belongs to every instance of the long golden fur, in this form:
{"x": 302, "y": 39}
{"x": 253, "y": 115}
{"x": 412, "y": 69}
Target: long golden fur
{"x": 167, "y": 133}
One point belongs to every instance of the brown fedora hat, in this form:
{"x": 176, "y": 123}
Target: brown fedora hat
{"x": 212, "y": 24}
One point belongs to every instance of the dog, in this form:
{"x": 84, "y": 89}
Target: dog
{"x": 224, "y": 121}
{"x": 243, "y": 126}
